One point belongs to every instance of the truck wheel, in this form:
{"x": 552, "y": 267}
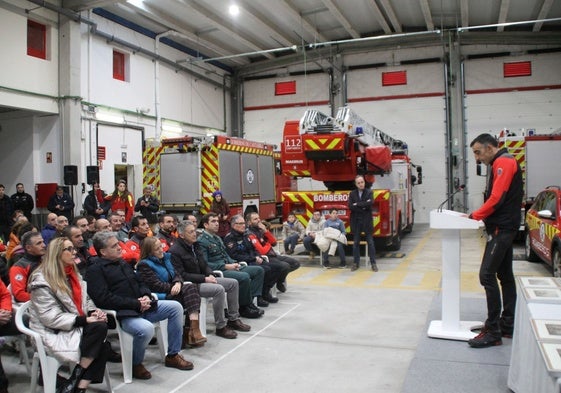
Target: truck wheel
{"x": 396, "y": 240}
{"x": 556, "y": 262}
{"x": 530, "y": 255}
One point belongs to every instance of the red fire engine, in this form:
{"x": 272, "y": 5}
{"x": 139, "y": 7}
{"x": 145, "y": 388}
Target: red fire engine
{"x": 336, "y": 150}
{"x": 186, "y": 171}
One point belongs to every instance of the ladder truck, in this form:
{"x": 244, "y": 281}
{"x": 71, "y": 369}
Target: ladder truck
{"x": 334, "y": 150}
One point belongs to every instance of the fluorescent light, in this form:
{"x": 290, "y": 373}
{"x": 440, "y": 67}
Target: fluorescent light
{"x": 171, "y": 127}
{"x": 110, "y": 117}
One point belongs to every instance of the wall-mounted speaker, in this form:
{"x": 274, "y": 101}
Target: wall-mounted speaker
{"x": 92, "y": 174}
{"x": 70, "y": 175}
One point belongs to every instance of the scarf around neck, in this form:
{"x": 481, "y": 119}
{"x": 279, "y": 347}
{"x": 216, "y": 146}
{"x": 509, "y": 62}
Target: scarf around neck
{"x": 75, "y": 287}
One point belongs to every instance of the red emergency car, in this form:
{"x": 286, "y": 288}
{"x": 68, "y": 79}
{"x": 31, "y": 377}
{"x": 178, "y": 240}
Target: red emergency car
{"x": 543, "y": 229}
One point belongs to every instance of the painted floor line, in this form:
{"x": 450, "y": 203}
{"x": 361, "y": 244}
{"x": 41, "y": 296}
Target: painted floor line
{"x": 234, "y": 349}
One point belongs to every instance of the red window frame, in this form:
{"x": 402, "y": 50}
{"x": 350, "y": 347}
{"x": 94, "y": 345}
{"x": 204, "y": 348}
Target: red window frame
{"x": 36, "y": 39}
{"x": 119, "y": 59}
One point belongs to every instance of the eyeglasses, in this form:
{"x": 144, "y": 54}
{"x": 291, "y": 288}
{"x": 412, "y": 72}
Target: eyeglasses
{"x": 240, "y": 223}
{"x": 69, "y": 248}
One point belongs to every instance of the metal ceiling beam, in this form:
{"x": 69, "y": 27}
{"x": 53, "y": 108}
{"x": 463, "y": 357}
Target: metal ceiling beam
{"x": 540, "y": 39}
{"x": 503, "y": 13}
{"x": 391, "y": 15}
{"x": 511, "y": 38}
{"x": 464, "y": 12}
{"x": 83, "y": 5}
{"x": 546, "y": 6}
{"x": 162, "y": 19}
{"x": 224, "y": 26}
{"x": 295, "y": 14}
{"x": 379, "y": 16}
{"x": 258, "y": 18}
{"x": 426, "y": 14}
{"x": 340, "y": 18}
{"x": 322, "y": 52}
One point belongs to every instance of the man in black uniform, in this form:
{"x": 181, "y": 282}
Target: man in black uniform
{"x": 360, "y": 204}
{"x": 501, "y": 214}
{"x": 23, "y": 201}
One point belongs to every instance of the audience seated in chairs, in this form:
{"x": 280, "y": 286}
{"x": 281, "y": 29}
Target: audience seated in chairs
{"x": 113, "y": 284}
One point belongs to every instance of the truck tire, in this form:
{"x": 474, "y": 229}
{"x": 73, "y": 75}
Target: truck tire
{"x": 530, "y": 255}
{"x": 556, "y": 262}
{"x": 396, "y": 239}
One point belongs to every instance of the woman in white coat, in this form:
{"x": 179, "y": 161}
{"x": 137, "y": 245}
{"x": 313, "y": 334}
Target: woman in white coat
{"x": 61, "y": 312}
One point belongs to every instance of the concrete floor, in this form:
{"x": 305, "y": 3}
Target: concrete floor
{"x": 333, "y": 331}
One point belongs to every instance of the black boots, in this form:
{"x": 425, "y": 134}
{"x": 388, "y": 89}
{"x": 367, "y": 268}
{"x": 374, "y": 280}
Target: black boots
{"x": 71, "y": 385}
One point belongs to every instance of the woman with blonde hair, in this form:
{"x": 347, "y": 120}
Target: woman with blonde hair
{"x": 72, "y": 329}
{"x": 157, "y": 272}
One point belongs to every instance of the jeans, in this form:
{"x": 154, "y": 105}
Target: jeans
{"x": 497, "y": 263}
{"x": 291, "y": 241}
{"x": 367, "y": 229}
{"x": 142, "y": 328}
{"x": 309, "y": 244}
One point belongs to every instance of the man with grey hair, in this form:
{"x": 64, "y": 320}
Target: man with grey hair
{"x": 113, "y": 284}
{"x": 189, "y": 262}
{"x": 34, "y": 250}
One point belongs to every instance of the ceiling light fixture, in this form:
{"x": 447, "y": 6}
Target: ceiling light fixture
{"x": 109, "y": 117}
{"x": 234, "y": 10}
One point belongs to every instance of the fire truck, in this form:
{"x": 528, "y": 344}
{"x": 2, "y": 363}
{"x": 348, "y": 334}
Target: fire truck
{"x": 538, "y": 157}
{"x": 334, "y": 151}
{"x": 185, "y": 172}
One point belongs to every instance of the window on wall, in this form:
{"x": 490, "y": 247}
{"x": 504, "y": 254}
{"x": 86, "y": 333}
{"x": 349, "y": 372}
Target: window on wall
{"x": 284, "y": 88}
{"x": 517, "y": 68}
{"x": 119, "y": 65}
{"x": 394, "y": 78}
{"x": 36, "y": 39}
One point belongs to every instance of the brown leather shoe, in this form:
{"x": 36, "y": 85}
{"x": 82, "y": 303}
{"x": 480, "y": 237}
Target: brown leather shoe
{"x": 354, "y": 267}
{"x": 239, "y": 325}
{"x": 177, "y": 361}
{"x": 139, "y": 372}
{"x": 226, "y": 332}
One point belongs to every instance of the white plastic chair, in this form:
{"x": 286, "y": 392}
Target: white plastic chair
{"x": 20, "y": 338}
{"x": 49, "y": 364}
{"x": 126, "y": 342}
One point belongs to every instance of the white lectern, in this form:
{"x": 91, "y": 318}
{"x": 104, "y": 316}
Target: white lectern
{"x": 450, "y": 327}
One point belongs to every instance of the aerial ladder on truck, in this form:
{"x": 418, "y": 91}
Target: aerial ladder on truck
{"x": 334, "y": 150}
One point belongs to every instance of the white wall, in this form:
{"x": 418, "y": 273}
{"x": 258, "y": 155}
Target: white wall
{"x": 266, "y": 124}
{"x": 22, "y": 72}
{"x": 491, "y": 106}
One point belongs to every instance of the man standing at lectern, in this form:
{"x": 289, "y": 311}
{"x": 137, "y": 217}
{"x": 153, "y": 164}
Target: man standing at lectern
{"x": 501, "y": 214}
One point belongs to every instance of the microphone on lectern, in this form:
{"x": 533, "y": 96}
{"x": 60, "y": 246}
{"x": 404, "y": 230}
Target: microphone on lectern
{"x": 460, "y": 188}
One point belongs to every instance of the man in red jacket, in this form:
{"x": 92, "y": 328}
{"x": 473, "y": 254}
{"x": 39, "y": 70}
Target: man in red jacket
{"x": 35, "y": 248}
{"x": 501, "y": 214}
{"x": 264, "y": 241}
